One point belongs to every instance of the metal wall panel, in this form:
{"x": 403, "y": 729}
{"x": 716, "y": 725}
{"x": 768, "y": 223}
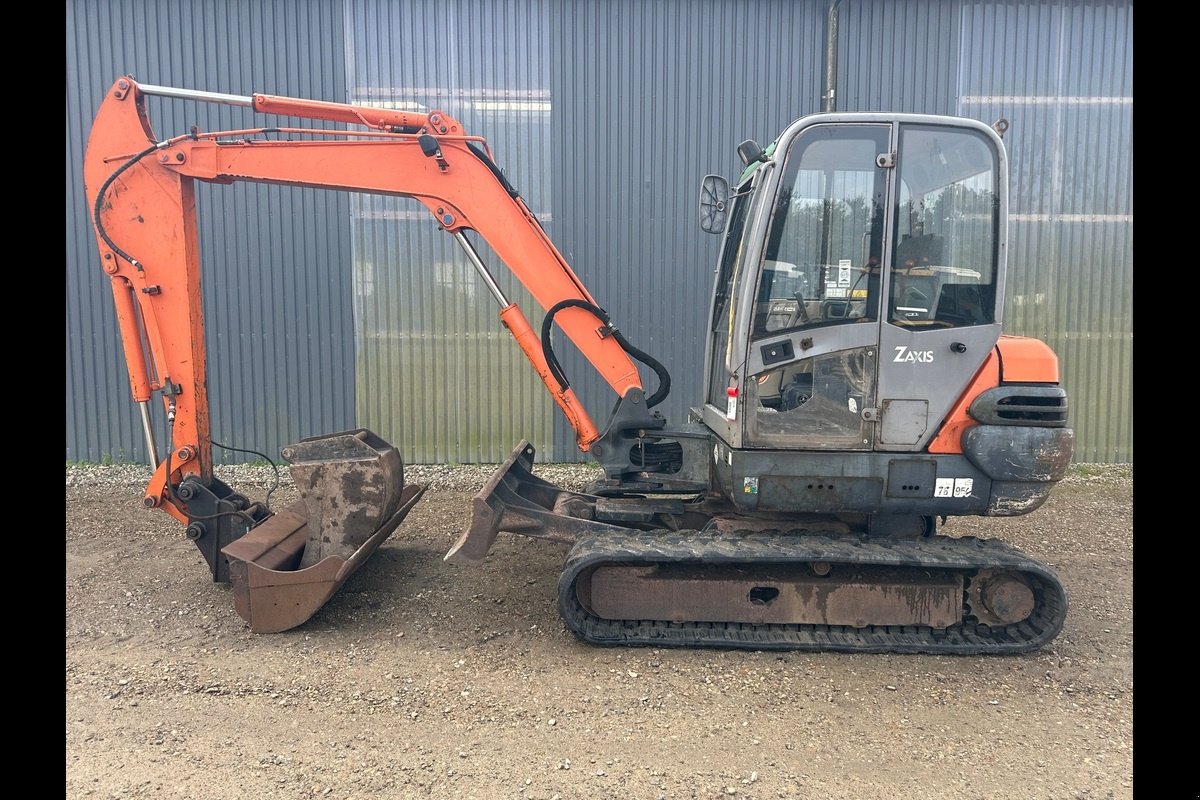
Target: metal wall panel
{"x": 438, "y": 376}
{"x": 897, "y": 56}
{"x": 276, "y": 259}
{"x": 1062, "y": 75}
{"x": 605, "y": 115}
{"x": 649, "y": 98}
{"x": 702, "y": 76}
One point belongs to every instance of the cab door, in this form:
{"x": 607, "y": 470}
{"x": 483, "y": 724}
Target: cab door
{"x": 944, "y": 275}
{"x": 811, "y": 349}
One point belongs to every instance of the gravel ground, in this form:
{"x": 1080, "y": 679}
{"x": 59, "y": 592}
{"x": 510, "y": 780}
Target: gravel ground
{"x": 419, "y": 679}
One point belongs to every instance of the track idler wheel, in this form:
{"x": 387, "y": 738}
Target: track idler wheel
{"x": 1001, "y": 597}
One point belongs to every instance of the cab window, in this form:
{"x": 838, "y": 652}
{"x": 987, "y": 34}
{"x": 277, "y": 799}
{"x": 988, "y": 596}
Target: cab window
{"x": 821, "y": 262}
{"x": 946, "y": 222}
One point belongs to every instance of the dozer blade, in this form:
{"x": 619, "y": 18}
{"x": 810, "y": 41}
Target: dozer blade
{"x": 352, "y": 498}
{"x": 514, "y": 500}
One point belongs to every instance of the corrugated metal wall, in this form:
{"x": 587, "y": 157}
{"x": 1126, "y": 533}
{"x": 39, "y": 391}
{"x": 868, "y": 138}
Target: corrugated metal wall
{"x": 605, "y": 115}
{"x": 277, "y": 296}
{"x": 438, "y": 375}
{"x": 702, "y": 76}
{"x": 649, "y": 98}
{"x": 1062, "y": 75}
{"x": 897, "y": 56}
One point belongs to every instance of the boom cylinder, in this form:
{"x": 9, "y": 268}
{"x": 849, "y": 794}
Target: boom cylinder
{"x": 481, "y": 268}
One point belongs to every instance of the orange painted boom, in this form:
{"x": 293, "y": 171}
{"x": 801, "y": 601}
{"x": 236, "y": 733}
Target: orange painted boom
{"x": 141, "y": 193}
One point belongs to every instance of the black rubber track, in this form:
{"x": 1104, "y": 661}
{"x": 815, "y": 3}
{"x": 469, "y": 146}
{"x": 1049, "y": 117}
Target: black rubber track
{"x": 966, "y": 555}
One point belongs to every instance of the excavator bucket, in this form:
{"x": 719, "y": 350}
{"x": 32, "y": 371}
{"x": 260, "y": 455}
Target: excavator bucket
{"x": 353, "y": 497}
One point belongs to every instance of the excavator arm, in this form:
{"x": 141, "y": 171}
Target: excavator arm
{"x": 141, "y": 191}
{"x": 143, "y": 199}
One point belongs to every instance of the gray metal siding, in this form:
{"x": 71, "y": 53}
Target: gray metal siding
{"x": 630, "y": 103}
{"x": 1062, "y": 75}
{"x": 649, "y": 98}
{"x": 276, "y": 260}
{"x": 709, "y": 74}
{"x": 438, "y": 376}
{"x": 897, "y": 56}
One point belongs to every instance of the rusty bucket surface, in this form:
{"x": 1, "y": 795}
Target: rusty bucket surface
{"x": 353, "y": 497}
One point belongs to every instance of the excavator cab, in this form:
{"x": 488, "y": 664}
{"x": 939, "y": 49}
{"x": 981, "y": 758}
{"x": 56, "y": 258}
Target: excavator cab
{"x": 903, "y": 219}
{"x": 899, "y": 221}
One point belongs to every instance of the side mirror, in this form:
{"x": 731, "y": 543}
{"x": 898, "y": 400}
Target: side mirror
{"x": 749, "y": 152}
{"x": 714, "y": 204}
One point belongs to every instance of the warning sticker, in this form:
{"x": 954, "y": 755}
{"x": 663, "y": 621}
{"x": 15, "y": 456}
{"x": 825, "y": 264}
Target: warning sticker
{"x": 750, "y": 485}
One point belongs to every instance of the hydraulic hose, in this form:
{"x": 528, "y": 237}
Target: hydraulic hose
{"x": 664, "y": 378}
{"x": 100, "y": 202}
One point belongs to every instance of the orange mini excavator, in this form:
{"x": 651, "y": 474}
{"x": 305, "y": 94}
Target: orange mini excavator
{"x": 858, "y": 387}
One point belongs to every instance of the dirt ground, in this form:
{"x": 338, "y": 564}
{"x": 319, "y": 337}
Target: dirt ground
{"x": 420, "y": 679}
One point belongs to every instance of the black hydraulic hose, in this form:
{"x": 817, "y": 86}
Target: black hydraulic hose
{"x": 100, "y": 201}
{"x": 664, "y": 378}
{"x": 171, "y": 489}
{"x": 482, "y": 155}
{"x": 119, "y": 171}
{"x": 271, "y": 489}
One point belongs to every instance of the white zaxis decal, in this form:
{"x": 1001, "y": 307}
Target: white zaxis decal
{"x": 904, "y": 355}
